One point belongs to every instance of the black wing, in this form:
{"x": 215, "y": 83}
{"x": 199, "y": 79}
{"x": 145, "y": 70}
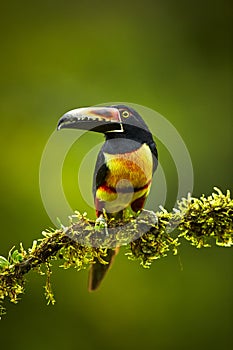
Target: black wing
{"x": 154, "y": 152}
{"x": 100, "y": 172}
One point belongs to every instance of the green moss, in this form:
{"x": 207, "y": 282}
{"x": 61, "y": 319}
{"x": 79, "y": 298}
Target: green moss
{"x": 48, "y": 287}
{"x": 208, "y": 218}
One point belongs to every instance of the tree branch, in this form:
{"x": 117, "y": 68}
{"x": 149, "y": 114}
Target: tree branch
{"x": 148, "y": 237}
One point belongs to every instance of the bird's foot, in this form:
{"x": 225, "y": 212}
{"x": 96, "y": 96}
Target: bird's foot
{"x": 101, "y": 224}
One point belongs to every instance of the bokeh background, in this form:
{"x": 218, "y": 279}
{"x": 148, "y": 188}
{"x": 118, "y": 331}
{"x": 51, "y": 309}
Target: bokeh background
{"x": 172, "y": 56}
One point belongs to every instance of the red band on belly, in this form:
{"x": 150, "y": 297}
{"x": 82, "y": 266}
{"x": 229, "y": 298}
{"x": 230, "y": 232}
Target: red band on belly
{"x": 109, "y": 189}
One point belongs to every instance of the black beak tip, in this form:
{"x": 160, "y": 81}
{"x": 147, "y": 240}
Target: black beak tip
{"x": 61, "y": 123}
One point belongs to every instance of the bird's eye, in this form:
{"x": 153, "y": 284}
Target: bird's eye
{"x": 125, "y": 114}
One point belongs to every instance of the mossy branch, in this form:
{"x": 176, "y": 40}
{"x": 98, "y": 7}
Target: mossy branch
{"x": 148, "y": 237}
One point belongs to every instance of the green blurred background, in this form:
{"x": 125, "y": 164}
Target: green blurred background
{"x": 172, "y": 56}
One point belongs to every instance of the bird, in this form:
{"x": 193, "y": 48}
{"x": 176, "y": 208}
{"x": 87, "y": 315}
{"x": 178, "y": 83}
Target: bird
{"x": 124, "y": 167}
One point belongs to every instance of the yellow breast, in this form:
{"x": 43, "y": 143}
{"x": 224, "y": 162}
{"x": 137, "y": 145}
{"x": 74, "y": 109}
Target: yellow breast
{"x": 135, "y": 167}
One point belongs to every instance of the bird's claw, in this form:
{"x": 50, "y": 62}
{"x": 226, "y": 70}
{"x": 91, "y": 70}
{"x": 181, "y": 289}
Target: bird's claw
{"x": 101, "y": 224}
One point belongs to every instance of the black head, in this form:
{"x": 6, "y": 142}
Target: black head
{"x": 133, "y": 126}
{"x": 130, "y": 117}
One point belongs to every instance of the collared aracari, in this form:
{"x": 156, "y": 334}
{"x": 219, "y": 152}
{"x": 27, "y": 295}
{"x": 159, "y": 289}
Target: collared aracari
{"x": 124, "y": 168}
